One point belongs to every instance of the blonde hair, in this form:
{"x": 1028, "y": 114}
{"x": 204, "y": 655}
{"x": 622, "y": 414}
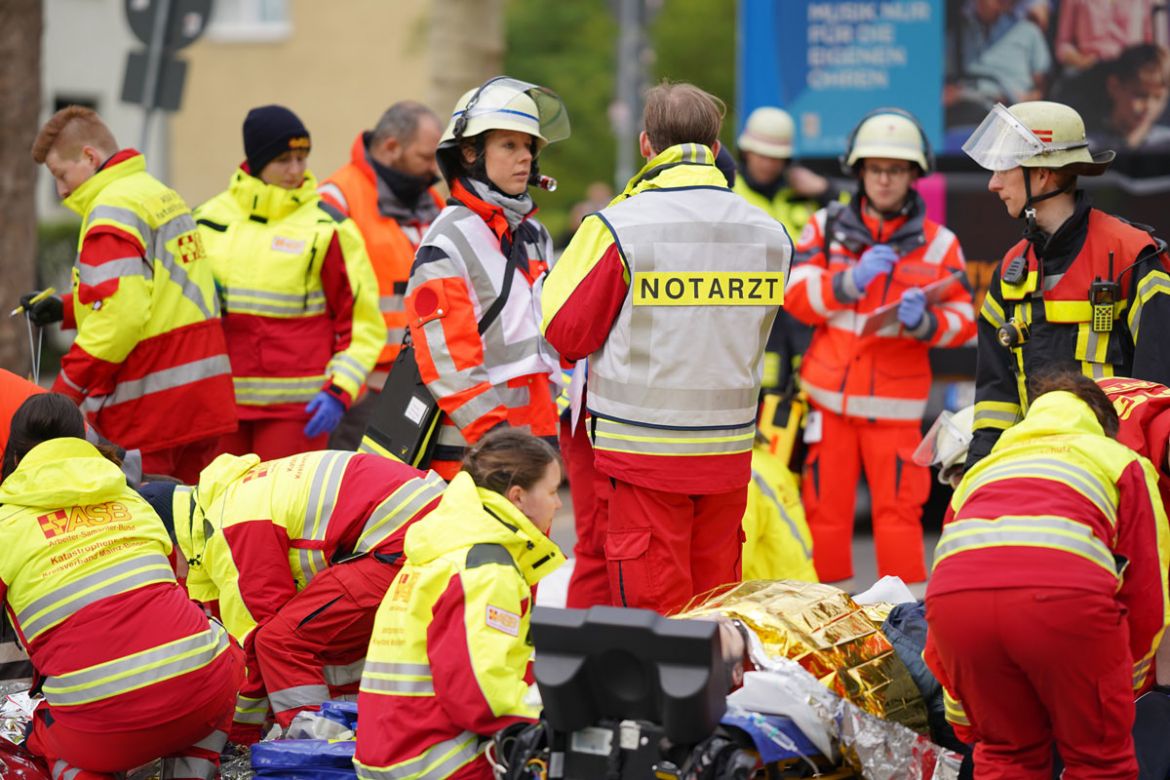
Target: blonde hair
{"x": 71, "y": 129}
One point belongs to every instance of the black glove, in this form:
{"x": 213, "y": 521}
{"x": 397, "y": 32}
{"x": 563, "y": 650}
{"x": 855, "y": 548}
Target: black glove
{"x": 43, "y": 312}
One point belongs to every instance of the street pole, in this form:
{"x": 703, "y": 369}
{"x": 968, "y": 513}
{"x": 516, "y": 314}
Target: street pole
{"x": 154, "y": 53}
{"x": 630, "y": 80}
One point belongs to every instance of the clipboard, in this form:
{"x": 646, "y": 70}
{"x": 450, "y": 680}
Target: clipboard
{"x": 888, "y": 314}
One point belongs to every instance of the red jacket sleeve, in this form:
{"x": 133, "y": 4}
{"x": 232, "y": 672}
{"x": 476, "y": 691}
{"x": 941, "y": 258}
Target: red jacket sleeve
{"x": 581, "y": 326}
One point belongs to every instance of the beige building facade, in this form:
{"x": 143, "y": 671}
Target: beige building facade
{"x": 337, "y": 64}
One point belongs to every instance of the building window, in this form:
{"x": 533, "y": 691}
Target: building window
{"x": 249, "y": 21}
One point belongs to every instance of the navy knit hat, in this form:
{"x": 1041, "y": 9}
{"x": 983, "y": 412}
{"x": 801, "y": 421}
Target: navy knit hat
{"x": 160, "y": 496}
{"x": 270, "y": 131}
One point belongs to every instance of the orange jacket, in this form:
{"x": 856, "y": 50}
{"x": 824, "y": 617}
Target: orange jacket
{"x": 390, "y": 242}
{"x": 884, "y": 375}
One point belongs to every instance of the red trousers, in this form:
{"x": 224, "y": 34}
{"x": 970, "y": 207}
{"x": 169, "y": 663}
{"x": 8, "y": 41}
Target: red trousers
{"x": 590, "y": 490}
{"x": 1036, "y": 667}
{"x": 183, "y": 462}
{"x": 272, "y": 439}
{"x": 315, "y": 646}
{"x": 663, "y": 548}
{"x": 190, "y": 744}
{"x": 898, "y": 489}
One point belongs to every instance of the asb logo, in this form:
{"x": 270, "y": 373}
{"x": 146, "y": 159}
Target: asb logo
{"x": 190, "y": 247}
{"x": 64, "y": 521}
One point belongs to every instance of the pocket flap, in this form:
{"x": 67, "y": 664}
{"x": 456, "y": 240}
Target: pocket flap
{"x": 627, "y": 545}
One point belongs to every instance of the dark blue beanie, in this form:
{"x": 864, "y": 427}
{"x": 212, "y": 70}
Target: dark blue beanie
{"x": 160, "y": 496}
{"x": 270, "y": 131}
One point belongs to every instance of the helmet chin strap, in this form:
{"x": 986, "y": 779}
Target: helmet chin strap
{"x": 1032, "y": 231}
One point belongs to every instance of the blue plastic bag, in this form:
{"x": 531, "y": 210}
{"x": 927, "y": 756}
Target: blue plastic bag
{"x": 343, "y": 712}
{"x": 304, "y": 759}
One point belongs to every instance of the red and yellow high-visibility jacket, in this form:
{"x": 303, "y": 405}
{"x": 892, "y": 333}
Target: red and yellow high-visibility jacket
{"x": 299, "y": 297}
{"x": 450, "y": 658}
{"x": 149, "y": 344}
{"x": 507, "y": 373}
{"x": 885, "y": 375}
{"x": 275, "y": 525}
{"x": 1058, "y": 504}
{"x": 85, "y": 578}
{"x": 391, "y": 238}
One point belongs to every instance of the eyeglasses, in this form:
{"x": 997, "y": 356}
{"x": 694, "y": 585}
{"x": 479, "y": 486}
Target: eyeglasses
{"x": 893, "y": 171}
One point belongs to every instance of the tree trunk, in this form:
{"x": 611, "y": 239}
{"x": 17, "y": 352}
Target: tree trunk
{"x": 21, "y": 24}
{"x": 466, "y": 45}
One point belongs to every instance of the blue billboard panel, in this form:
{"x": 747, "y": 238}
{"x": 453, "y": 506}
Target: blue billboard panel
{"x": 827, "y": 62}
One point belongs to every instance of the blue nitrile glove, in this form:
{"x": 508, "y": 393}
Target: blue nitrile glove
{"x": 912, "y": 308}
{"x": 875, "y": 261}
{"x": 326, "y": 411}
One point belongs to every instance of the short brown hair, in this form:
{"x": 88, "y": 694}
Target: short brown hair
{"x": 1083, "y": 388}
{"x": 681, "y": 114}
{"x": 70, "y": 129}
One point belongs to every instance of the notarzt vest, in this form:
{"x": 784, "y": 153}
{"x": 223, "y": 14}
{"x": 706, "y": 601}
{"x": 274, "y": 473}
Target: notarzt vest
{"x": 707, "y": 274}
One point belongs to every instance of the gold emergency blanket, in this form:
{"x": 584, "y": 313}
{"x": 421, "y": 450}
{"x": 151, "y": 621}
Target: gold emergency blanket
{"x": 821, "y": 628}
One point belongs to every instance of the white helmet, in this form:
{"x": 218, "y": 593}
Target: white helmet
{"x": 1035, "y": 134}
{"x": 945, "y": 444}
{"x": 891, "y": 133}
{"x": 503, "y": 103}
{"x": 769, "y": 131}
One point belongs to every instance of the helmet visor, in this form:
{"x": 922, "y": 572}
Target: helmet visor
{"x": 944, "y": 444}
{"x": 552, "y": 116}
{"x": 1001, "y": 142}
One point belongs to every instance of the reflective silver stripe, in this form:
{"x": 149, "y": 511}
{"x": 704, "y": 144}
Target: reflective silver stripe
{"x": 735, "y": 400}
{"x": 155, "y": 241}
{"x": 437, "y": 762}
{"x": 343, "y": 675}
{"x": 136, "y": 671}
{"x": 189, "y": 768}
{"x": 298, "y": 696}
{"x": 335, "y": 192}
{"x": 213, "y": 741}
{"x": 1013, "y": 531}
{"x": 348, "y": 367}
{"x": 323, "y": 494}
{"x": 770, "y": 494}
{"x": 1140, "y": 670}
{"x": 249, "y": 710}
{"x": 62, "y": 770}
{"x": 267, "y": 309}
{"x": 397, "y": 508}
{"x": 1097, "y": 370}
{"x": 92, "y": 275}
{"x": 619, "y": 437}
{"x": 1154, "y": 283}
{"x": 395, "y": 335}
{"x": 937, "y": 251}
{"x": 1103, "y": 496}
{"x": 390, "y": 304}
{"x": 867, "y": 406}
{"x": 995, "y": 418}
{"x": 293, "y": 299}
{"x": 312, "y": 562}
{"x": 49, "y": 610}
{"x": 378, "y": 685}
{"x": 257, "y": 391}
{"x": 158, "y": 381}
{"x": 383, "y": 667}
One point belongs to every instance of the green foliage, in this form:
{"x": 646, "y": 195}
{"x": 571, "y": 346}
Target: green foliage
{"x": 570, "y": 46}
{"x": 56, "y": 250}
{"x": 694, "y": 40}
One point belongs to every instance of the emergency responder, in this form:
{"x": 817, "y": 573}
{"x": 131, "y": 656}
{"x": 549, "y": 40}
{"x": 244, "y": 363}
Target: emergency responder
{"x": 1048, "y": 597}
{"x": 1073, "y": 291}
{"x": 449, "y": 659}
{"x": 386, "y": 189}
{"x": 673, "y": 427}
{"x": 945, "y": 445}
{"x": 129, "y": 667}
{"x": 868, "y": 390}
{"x": 768, "y": 178}
{"x": 473, "y": 299}
{"x": 149, "y": 346}
{"x": 777, "y": 542}
{"x": 296, "y": 556}
{"x": 299, "y": 296}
